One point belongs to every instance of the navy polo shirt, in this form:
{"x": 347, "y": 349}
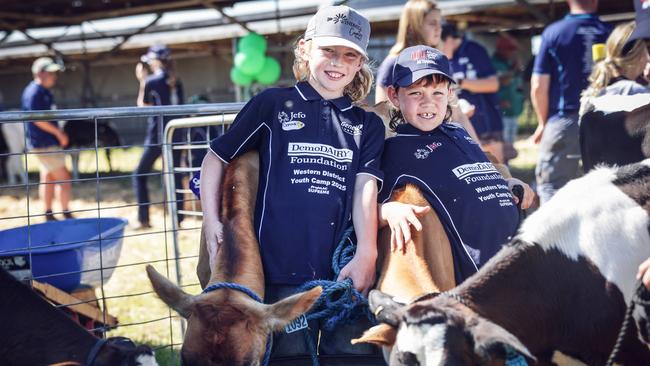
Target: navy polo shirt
{"x": 37, "y": 98}
{"x": 385, "y": 71}
{"x": 158, "y": 92}
{"x": 460, "y": 183}
{"x": 565, "y": 55}
{"x": 311, "y": 151}
{"x": 471, "y": 61}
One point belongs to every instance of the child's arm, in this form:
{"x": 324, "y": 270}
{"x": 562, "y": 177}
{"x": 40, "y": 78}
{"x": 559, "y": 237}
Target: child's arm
{"x": 211, "y": 174}
{"x": 529, "y": 195}
{"x": 361, "y": 269}
{"x": 400, "y": 217}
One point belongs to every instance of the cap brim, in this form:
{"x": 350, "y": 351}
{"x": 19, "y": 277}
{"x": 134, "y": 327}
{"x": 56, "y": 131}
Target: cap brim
{"x": 337, "y": 41}
{"x": 641, "y": 31}
{"x": 419, "y": 74}
{"x": 53, "y": 68}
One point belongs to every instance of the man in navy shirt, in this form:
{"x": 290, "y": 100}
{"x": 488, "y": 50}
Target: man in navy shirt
{"x": 159, "y": 88}
{"x": 477, "y": 80}
{"x": 560, "y": 74}
{"x": 46, "y": 138}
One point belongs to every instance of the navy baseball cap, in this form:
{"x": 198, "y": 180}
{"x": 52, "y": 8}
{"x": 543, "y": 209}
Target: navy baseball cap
{"x": 156, "y": 52}
{"x": 642, "y": 17}
{"x": 416, "y": 62}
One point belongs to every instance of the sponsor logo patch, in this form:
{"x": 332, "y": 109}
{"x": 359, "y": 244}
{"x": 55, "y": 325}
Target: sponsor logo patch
{"x": 291, "y": 121}
{"x": 350, "y": 129}
{"x": 428, "y": 149}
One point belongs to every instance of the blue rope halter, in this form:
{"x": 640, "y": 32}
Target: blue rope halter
{"x": 252, "y": 295}
{"x": 339, "y": 302}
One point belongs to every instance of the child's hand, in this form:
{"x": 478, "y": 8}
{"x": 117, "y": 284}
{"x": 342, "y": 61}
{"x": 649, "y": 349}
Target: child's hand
{"x": 213, "y": 231}
{"x": 529, "y": 194}
{"x": 361, "y": 270}
{"x": 644, "y": 273}
{"x": 400, "y": 217}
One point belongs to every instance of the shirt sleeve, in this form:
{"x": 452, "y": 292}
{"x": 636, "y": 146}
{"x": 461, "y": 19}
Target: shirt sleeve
{"x": 385, "y": 71}
{"x": 244, "y": 133}
{"x": 482, "y": 62}
{"x": 543, "y": 60}
{"x": 148, "y": 86}
{"x": 371, "y": 148}
{"x": 38, "y": 102}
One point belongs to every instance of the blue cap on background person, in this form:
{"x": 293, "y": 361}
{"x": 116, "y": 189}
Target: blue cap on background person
{"x": 156, "y": 52}
{"x": 339, "y": 26}
{"x": 416, "y": 62}
{"x": 642, "y": 17}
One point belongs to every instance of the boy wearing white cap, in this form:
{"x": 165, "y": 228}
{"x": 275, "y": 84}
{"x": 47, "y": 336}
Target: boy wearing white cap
{"x": 319, "y": 167}
{"x": 46, "y": 138}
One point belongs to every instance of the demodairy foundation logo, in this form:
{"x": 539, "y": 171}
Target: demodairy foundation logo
{"x": 464, "y": 171}
{"x": 290, "y": 122}
{"x": 428, "y": 149}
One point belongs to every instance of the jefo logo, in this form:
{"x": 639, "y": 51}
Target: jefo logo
{"x": 424, "y": 153}
{"x": 290, "y": 121}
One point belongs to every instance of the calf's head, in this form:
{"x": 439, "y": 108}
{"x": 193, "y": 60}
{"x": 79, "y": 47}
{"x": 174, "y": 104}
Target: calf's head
{"x": 227, "y": 327}
{"x": 434, "y": 332}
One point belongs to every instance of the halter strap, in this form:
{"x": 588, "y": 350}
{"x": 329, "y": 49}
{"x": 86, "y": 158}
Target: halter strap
{"x": 94, "y": 352}
{"x": 252, "y": 295}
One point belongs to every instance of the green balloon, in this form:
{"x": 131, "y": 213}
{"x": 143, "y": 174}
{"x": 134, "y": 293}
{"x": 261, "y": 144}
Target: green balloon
{"x": 239, "y": 78}
{"x": 270, "y": 72}
{"x": 249, "y": 63}
{"x": 252, "y": 42}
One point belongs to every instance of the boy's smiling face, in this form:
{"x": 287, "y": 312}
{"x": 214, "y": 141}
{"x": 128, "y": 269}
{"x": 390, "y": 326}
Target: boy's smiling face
{"x": 423, "y": 104}
{"x": 332, "y": 68}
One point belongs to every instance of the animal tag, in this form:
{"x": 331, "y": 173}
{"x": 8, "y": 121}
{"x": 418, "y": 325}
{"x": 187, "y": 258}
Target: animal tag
{"x": 297, "y": 324}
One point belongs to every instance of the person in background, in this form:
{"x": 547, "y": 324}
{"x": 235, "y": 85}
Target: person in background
{"x": 619, "y": 72}
{"x": 511, "y": 99}
{"x": 158, "y": 86}
{"x": 560, "y": 74}
{"x": 478, "y": 83}
{"x": 419, "y": 24}
{"x": 46, "y": 139}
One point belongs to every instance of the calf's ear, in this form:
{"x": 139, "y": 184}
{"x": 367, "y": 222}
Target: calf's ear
{"x": 491, "y": 339}
{"x": 170, "y": 294}
{"x": 282, "y": 312}
{"x": 386, "y": 309}
{"x": 380, "y": 335}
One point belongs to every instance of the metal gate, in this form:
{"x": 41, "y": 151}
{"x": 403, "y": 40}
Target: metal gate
{"x": 122, "y": 302}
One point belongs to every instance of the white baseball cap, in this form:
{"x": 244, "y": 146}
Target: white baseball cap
{"x": 339, "y": 26}
{"x": 45, "y": 64}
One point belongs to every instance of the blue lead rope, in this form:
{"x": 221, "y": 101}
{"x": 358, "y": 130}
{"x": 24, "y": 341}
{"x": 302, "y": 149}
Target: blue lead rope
{"x": 340, "y": 302}
{"x": 252, "y": 295}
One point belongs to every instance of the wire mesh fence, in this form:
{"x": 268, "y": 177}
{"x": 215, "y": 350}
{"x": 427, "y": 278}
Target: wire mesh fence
{"x": 93, "y": 265}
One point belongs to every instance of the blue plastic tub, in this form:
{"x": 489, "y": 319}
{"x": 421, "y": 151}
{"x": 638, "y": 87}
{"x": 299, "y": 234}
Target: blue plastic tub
{"x": 66, "y": 254}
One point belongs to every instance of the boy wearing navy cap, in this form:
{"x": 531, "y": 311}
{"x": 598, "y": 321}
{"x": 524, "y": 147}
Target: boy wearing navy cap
{"x": 319, "y": 167}
{"x": 470, "y": 196}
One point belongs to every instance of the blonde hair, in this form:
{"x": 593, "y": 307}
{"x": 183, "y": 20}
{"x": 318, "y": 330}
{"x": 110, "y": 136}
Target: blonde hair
{"x": 357, "y": 90}
{"x": 616, "y": 63}
{"x": 409, "y": 31}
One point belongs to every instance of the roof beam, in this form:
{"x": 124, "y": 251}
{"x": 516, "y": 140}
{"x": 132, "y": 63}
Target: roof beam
{"x": 210, "y": 4}
{"x": 534, "y": 11}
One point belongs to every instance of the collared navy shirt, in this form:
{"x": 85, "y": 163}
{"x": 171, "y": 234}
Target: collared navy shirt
{"x": 460, "y": 183}
{"x": 471, "y": 61}
{"x": 37, "y": 98}
{"x": 565, "y": 55}
{"x": 311, "y": 151}
{"x": 158, "y": 92}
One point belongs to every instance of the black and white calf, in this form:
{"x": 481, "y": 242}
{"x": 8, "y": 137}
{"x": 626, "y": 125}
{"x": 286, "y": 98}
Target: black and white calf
{"x": 562, "y": 285}
{"x": 33, "y": 332}
{"x": 81, "y": 134}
